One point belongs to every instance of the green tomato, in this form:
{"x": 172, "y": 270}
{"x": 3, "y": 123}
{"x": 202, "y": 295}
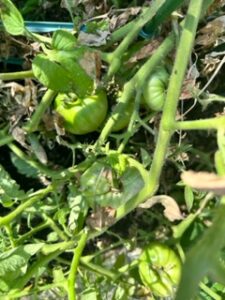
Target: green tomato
{"x": 82, "y": 116}
{"x": 160, "y": 269}
{"x": 155, "y": 90}
{"x": 124, "y": 119}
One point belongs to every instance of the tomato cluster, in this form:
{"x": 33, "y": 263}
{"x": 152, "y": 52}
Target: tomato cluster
{"x": 82, "y": 116}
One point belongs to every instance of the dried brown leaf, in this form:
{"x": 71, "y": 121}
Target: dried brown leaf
{"x": 145, "y": 51}
{"x": 171, "y": 212}
{"x": 19, "y": 136}
{"x": 90, "y": 39}
{"x": 91, "y": 63}
{"x": 217, "y": 4}
{"x": 204, "y": 181}
{"x": 209, "y": 34}
{"x": 103, "y": 217}
{"x": 188, "y": 89}
{"x": 122, "y": 19}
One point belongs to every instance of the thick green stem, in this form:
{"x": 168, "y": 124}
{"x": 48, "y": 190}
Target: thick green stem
{"x": 174, "y": 89}
{"x": 137, "y": 81}
{"x": 205, "y": 124}
{"x": 140, "y": 22}
{"x": 120, "y": 33}
{"x": 112, "y": 275}
{"x": 40, "y": 110}
{"x": 17, "y": 75}
{"x": 22, "y": 207}
{"x": 5, "y": 140}
{"x": 74, "y": 265}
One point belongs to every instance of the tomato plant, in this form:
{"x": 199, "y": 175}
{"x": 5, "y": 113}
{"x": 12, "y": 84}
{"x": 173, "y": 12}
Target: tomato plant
{"x": 155, "y": 89}
{"x": 160, "y": 269}
{"x": 82, "y": 116}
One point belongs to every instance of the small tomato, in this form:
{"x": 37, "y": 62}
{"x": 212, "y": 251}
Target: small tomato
{"x": 124, "y": 119}
{"x": 82, "y": 116}
{"x": 155, "y": 89}
{"x": 125, "y": 116}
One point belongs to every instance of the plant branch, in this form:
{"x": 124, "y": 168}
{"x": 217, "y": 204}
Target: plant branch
{"x": 205, "y": 124}
{"x": 45, "y": 103}
{"x": 74, "y": 265}
{"x": 23, "y": 206}
{"x": 42, "y": 261}
{"x": 145, "y": 17}
{"x": 138, "y": 82}
{"x": 32, "y": 232}
{"x": 17, "y": 75}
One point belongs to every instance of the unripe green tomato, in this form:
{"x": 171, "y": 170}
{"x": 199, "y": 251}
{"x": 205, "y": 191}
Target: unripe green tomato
{"x": 160, "y": 269}
{"x": 82, "y": 116}
{"x": 155, "y": 90}
{"x": 124, "y": 119}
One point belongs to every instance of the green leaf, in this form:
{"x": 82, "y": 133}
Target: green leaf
{"x": 120, "y": 294}
{"x": 132, "y": 182}
{"x": 9, "y": 190}
{"x": 100, "y": 185}
{"x": 89, "y": 294}
{"x": 58, "y": 278}
{"x": 78, "y": 207}
{"x": 14, "y": 263}
{"x": 63, "y": 40}
{"x": 11, "y": 18}
{"x": 189, "y": 197}
{"x": 145, "y": 158}
{"x": 51, "y": 74}
{"x": 37, "y": 148}
{"x": 82, "y": 84}
{"x": 23, "y": 167}
{"x": 64, "y": 75}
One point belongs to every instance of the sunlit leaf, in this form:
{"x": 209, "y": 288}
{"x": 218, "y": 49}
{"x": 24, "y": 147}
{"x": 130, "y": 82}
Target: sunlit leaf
{"x": 51, "y": 74}
{"x": 189, "y": 197}
{"x": 63, "y": 40}
{"x": 14, "y": 263}
{"x": 11, "y": 18}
